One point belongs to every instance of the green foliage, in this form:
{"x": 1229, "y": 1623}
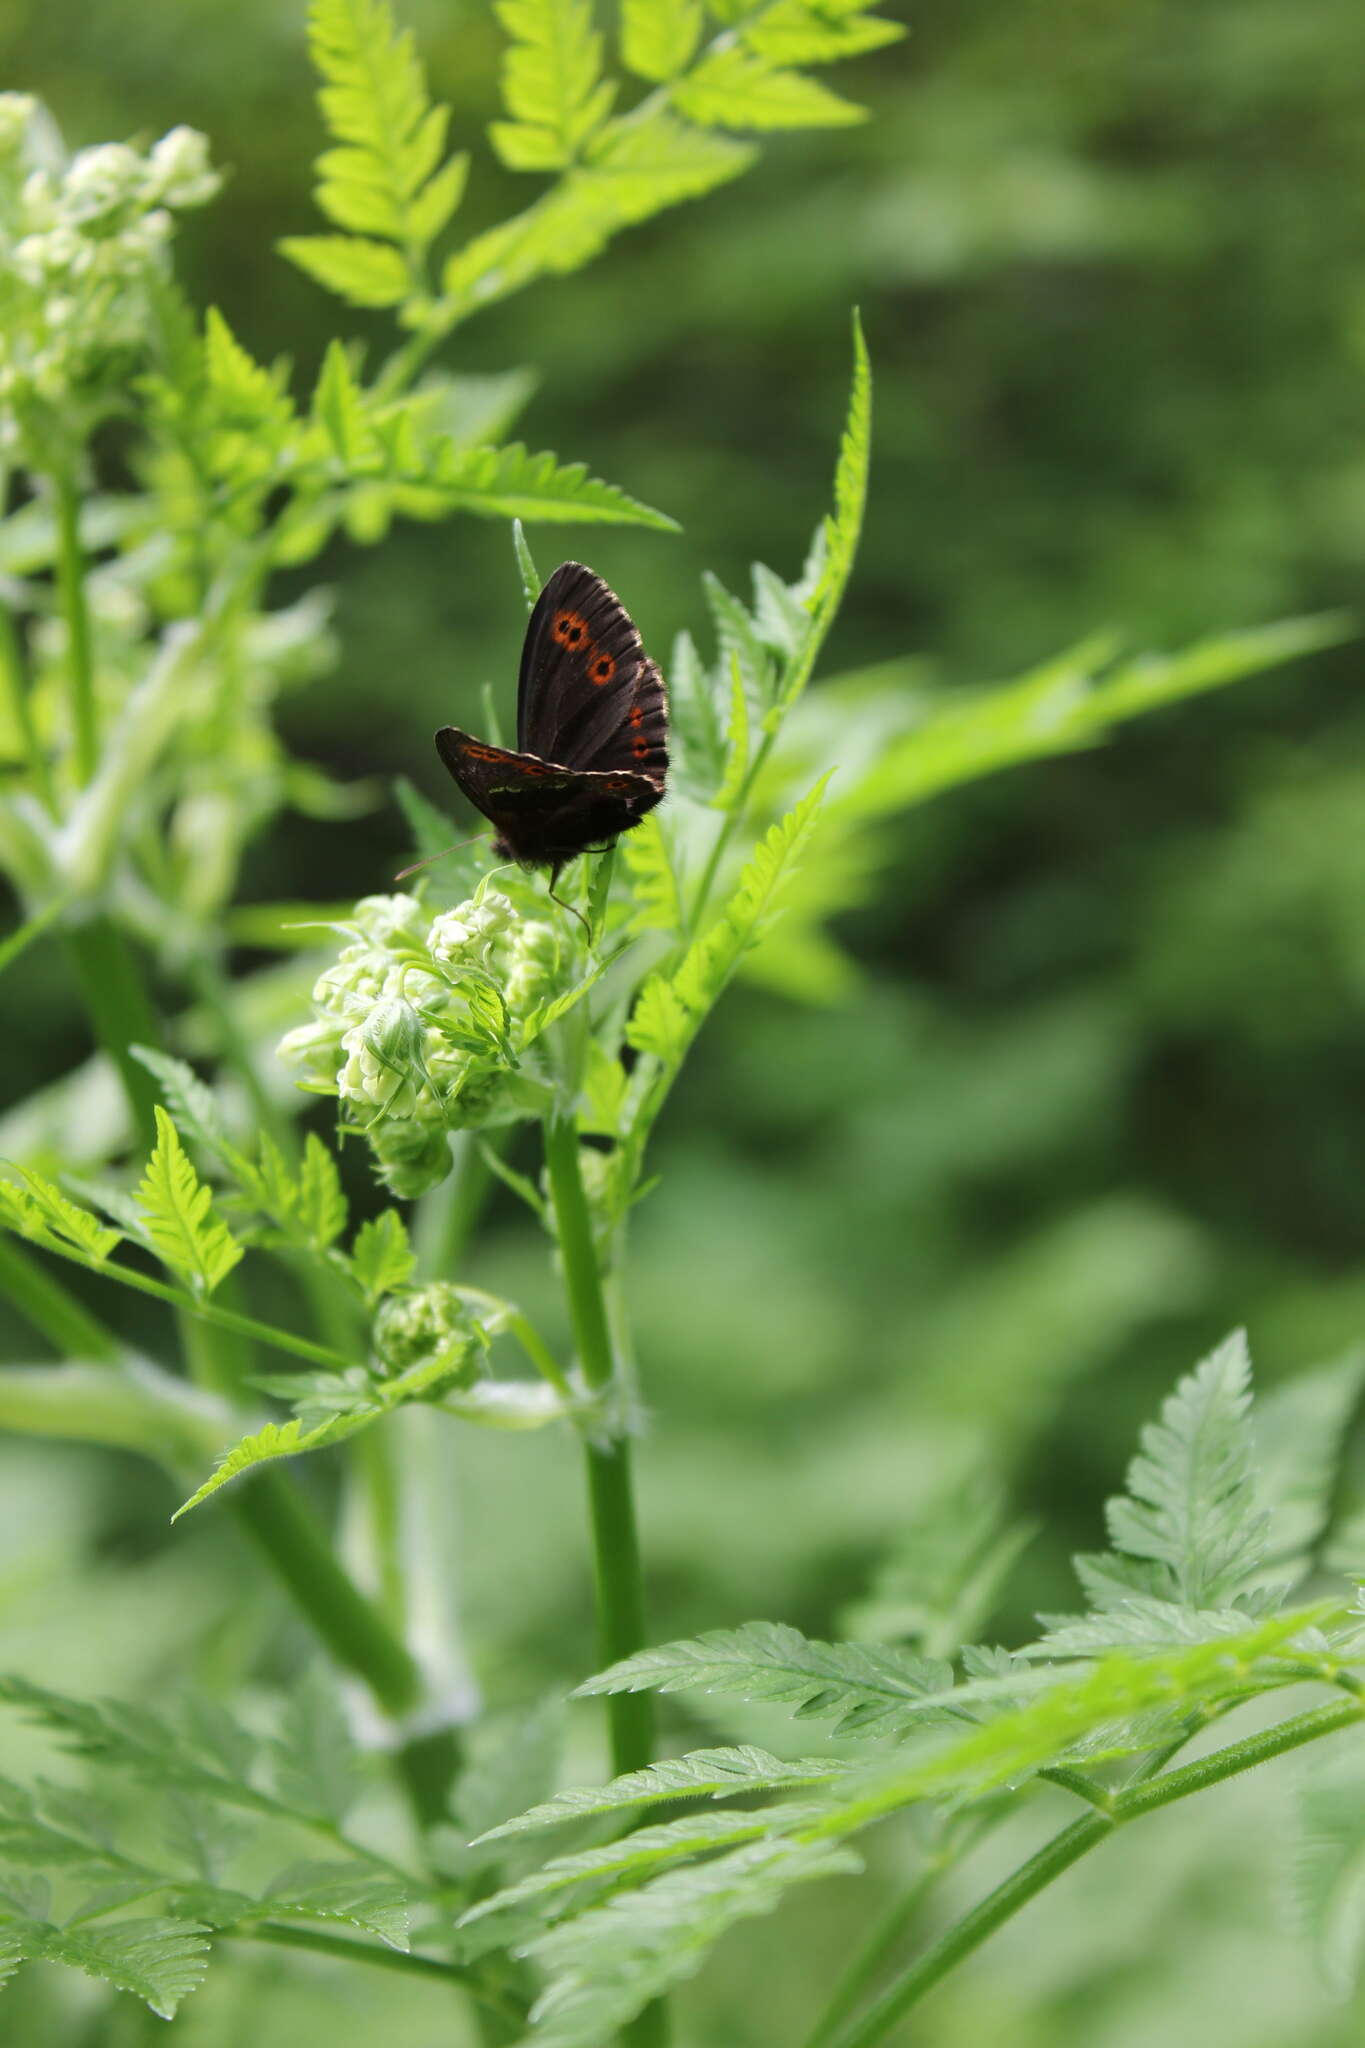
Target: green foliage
{"x": 222, "y": 1802}
{"x": 177, "y": 1210}
{"x": 1070, "y": 1704}
{"x": 385, "y": 178}
{"x": 381, "y": 1257}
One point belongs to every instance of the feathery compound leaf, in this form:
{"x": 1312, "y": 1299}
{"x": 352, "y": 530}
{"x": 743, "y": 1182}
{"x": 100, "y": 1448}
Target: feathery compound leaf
{"x": 733, "y": 88}
{"x": 342, "y": 1891}
{"x": 511, "y": 483}
{"x": 797, "y": 32}
{"x": 867, "y": 1686}
{"x": 701, "y": 1774}
{"x": 659, "y": 37}
{"x": 382, "y": 1257}
{"x": 354, "y": 268}
{"x": 182, "y": 1225}
{"x": 349, "y": 1402}
{"x": 322, "y": 1207}
{"x": 386, "y": 179}
{"x": 640, "y": 1853}
{"x": 653, "y": 884}
{"x": 606, "y": 1965}
{"x": 669, "y": 1012}
{"x": 635, "y": 171}
{"x": 1191, "y": 1504}
{"x": 159, "y": 1961}
{"x": 190, "y": 1102}
{"x": 551, "y": 83}
{"x": 314, "y": 1755}
{"x": 43, "y": 1213}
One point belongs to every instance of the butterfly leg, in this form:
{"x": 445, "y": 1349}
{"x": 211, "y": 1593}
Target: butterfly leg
{"x": 554, "y": 877}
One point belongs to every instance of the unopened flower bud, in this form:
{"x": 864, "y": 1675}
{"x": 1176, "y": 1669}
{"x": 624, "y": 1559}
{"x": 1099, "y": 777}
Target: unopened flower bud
{"x": 421, "y": 1323}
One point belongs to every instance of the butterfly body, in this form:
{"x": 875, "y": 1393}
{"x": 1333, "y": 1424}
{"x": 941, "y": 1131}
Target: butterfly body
{"x": 592, "y": 731}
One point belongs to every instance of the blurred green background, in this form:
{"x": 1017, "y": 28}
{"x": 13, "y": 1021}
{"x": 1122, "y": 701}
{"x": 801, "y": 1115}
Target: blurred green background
{"x": 1097, "y": 1095}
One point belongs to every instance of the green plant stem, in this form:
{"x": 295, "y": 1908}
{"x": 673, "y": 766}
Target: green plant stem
{"x": 115, "y": 1001}
{"x": 272, "y": 1512}
{"x": 400, "y": 1961}
{"x": 1076, "y": 1841}
{"x": 14, "y": 687}
{"x": 620, "y": 1597}
{"x": 208, "y": 1311}
{"x": 52, "y": 1308}
{"x": 80, "y": 664}
{"x": 611, "y": 1501}
{"x": 898, "y": 1918}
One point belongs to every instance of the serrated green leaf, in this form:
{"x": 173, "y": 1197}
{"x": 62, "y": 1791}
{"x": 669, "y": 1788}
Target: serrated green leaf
{"x": 322, "y": 1206}
{"x": 1191, "y": 1504}
{"x": 653, "y": 883}
{"x": 732, "y": 88}
{"x": 866, "y": 1686}
{"x": 659, "y": 1024}
{"x": 315, "y": 1758}
{"x": 606, "y": 1965}
{"x": 659, "y": 37}
{"x": 349, "y": 1403}
{"x": 798, "y": 32}
{"x": 636, "y": 170}
{"x": 736, "y": 743}
{"x": 347, "y": 1892}
{"x": 551, "y": 82}
{"x": 41, "y": 1212}
{"x": 505, "y": 483}
{"x": 382, "y": 1257}
{"x": 386, "y": 179}
{"x": 639, "y": 1854}
{"x": 159, "y": 1961}
{"x": 191, "y": 1104}
{"x": 182, "y": 1225}
{"x": 340, "y": 409}
{"x": 356, "y": 269}
{"x": 701, "y": 1774}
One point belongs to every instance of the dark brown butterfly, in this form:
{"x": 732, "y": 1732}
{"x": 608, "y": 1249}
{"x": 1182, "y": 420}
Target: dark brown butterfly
{"x": 592, "y": 731}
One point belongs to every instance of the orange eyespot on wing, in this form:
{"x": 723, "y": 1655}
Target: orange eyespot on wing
{"x": 601, "y": 668}
{"x": 570, "y": 629}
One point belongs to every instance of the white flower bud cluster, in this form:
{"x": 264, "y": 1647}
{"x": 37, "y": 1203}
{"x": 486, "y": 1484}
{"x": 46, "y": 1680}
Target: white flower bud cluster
{"x": 81, "y": 240}
{"x": 409, "y": 1025}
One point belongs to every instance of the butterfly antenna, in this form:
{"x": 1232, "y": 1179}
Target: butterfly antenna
{"x": 418, "y": 865}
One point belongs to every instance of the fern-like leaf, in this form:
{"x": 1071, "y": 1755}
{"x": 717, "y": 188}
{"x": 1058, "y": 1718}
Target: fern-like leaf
{"x": 159, "y": 1961}
{"x": 382, "y": 1256}
{"x": 552, "y": 83}
{"x": 40, "y": 1211}
{"x": 177, "y": 1209}
{"x": 1191, "y": 1504}
{"x": 866, "y": 1687}
{"x": 385, "y": 183}
{"x": 606, "y": 1965}
{"x": 700, "y": 1774}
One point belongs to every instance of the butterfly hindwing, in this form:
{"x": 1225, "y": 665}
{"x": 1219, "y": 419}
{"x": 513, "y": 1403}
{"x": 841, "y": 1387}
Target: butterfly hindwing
{"x": 544, "y": 814}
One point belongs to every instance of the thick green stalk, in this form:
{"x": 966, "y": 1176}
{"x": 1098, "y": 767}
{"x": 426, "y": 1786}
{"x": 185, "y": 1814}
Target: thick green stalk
{"x": 15, "y": 690}
{"x": 616, "y": 1551}
{"x": 272, "y": 1512}
{"x": 116, "y": 1003}
{"x": 611, "y": 1501}
{"x": 1076, "y": 1841}
{"x": 400, "y": 1961}
{"x": 79, "y": 658}
{"x": 52, "y": 1309}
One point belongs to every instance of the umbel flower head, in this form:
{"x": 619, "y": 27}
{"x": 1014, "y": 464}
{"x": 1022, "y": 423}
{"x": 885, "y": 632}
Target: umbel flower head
{"x": 421, "y": 1025}
{"x": 82, "y": 248}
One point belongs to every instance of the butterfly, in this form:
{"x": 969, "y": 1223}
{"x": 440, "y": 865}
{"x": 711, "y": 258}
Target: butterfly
{"x": 592, "y": 731}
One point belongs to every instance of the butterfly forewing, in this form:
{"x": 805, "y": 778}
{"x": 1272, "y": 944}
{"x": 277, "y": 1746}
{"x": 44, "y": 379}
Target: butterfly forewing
{"x": 588, "y": 694}
{"x": 592, "y": 730}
